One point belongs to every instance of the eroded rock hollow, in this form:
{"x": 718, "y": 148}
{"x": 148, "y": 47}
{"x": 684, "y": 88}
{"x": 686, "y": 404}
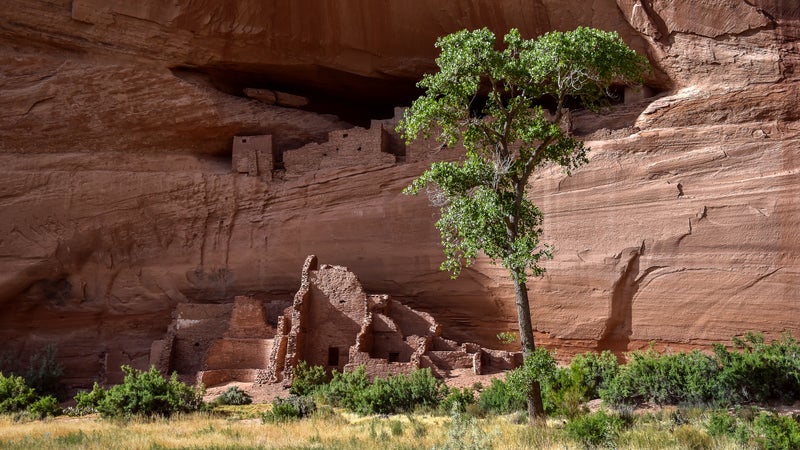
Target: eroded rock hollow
{"x": 156, "y": 154}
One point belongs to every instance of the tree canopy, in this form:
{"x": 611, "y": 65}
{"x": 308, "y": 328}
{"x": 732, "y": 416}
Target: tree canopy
{"x": 489, "y": 100}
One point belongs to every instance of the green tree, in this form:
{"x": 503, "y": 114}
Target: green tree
{"x": 488, "y": 100}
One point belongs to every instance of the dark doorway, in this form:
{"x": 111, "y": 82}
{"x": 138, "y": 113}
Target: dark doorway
{"x": 394, "y": 357}
{"x": 333, "y": 356}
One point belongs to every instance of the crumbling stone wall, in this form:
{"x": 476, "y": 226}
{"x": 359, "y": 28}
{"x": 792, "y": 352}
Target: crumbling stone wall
{"x": 354, "y": 147}
{"x": 253, "y": 155}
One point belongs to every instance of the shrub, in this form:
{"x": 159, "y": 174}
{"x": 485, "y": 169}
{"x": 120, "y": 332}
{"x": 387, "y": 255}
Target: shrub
{"x": 663, "y": 379}
{"x": 15, "y": 395}
{"x": 759, "y": 372}
{"x": 401, "y": 393}
{"x": 465, "y": 434}
{"x": 233, "y": 396}
{"x": 594, "y": 430}
{"x": 500, "y": 398}
{"x": 346, "y": 389}
{"x": 44, "y": 407}
{"x": 720, "y": 423}
{"x": 776, "y": 432}
{"x": 142, "y": 394}
{"x": 291, "y": 408}
{"x": 459, "y": 399}
{"x": 393, "y": 394}
{"x": 87, "y": 402}
{"x": 307, "y": 379}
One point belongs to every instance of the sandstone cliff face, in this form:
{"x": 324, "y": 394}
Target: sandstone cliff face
{"x": 117, "y": 200}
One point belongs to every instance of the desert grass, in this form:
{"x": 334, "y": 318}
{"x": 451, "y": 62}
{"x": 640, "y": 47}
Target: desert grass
{"x": 238, "y": 427}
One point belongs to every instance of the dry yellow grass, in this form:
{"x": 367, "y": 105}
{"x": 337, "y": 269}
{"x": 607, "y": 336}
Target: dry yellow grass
{"x": 240, "y": 428}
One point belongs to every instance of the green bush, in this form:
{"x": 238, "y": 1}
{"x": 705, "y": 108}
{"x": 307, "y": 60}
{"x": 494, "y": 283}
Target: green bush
{"x": 15, "y": 395}
{"x": 233, "y": 396}
{"x": 307, "y": 379}
{"x": 402, "y": 393}
{"x": 501, "y": 398}
{"x": 346, "y": 389}
{"x": 44, "y": 407}
{"x": 776, "y": 432}
{"x": 663, "y": 379}
{"x": 291, "y": 408}
{"x": 142, "y": 394}
{"x": 594, "y": 430}
{"x": 459, "y": 399}
{"x": 720, "y": 423}
{"x": 759, "y": 372}
{"x": 393, "y": 394}
{"x": 88, "y": 401}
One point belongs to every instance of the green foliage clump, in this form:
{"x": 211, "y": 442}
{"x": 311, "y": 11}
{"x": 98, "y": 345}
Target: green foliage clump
{"x": 663, "y": 379}
{"x": 307, "y": 379}
{"x": 142, "y": 394}
{"x": 757, "y": 371}
{"x": 393, "y": 394}
{"x": 233, "y": 396}
{"x": 774, "y": 432}
{"x": 596, "y": 429}
{"x": 501, "y": 398}
{"x": 346, "y": 389}
{"x": 458, "y": 399}
{"x": 754, "y": 371}
{"x": 15, "y": 395}
{"x": 402, "y": 393}
{"x": 44, "y": 407}
{"x": 291, "y": 408}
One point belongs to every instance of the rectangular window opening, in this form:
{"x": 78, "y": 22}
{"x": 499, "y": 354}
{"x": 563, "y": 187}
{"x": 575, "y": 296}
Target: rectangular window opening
{"x": 394, "y": 357}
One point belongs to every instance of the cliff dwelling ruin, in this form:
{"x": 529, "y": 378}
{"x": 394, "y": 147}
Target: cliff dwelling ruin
{"x": 331, "y": 322}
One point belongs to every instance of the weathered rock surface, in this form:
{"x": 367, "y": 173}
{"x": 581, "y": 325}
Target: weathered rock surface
{"x": 117, "y": 200}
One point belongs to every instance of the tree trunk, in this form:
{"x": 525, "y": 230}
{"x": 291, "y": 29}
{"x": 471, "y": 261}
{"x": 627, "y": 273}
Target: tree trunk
{"x": 534, "y": 394}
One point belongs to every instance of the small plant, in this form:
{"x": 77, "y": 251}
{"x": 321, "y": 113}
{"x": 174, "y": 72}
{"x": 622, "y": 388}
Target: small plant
{"x": 776, "y": 432}
{"x": 307, "y": 379}
{"x": 465, "y": 434}
{"x": 15, "y": 395}
{"x": 291, "y": 408}
{"x": 459, "y": 399}
{"x": 500, "y": 398}
{"x": 507, "y": 337}
{"x": 233, "y": 396}
{"x": 594, "y": 430}
{"x": 720, "y": 423}
{"x": 44, "y": 407}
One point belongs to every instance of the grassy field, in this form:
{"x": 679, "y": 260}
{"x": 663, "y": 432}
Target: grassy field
{"x": 240, "y": 428}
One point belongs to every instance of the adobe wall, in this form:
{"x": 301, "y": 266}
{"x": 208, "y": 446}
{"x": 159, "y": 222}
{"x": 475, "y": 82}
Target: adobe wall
{"x": 253, "y": 155}
{"x": 354, "y": 147}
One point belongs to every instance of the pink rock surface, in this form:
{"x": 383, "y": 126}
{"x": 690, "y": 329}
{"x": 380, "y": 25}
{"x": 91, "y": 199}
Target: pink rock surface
{"x": 117, "y": 200}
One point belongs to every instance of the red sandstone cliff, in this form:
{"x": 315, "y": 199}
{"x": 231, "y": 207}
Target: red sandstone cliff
{"x": 117, "y": 199}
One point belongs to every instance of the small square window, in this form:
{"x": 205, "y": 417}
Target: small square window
{"x": 394, "y": 356}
